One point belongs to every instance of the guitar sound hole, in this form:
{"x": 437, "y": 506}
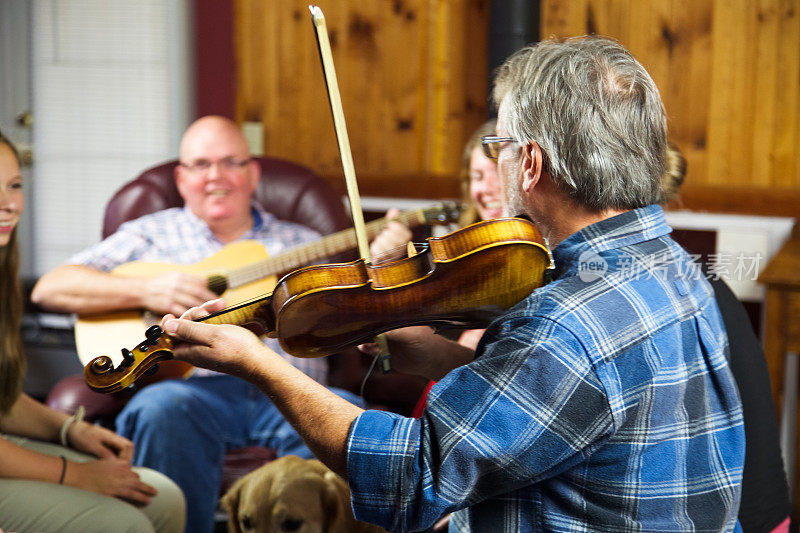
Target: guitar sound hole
{"x": 217, "y": 284}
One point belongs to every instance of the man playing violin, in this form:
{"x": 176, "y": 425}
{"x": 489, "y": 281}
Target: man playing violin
{"x": 183, "y": 427}
{"x": 601, "y": 402}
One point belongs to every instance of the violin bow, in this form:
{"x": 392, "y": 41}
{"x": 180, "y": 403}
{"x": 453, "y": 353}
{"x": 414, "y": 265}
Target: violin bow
{"x": 335, "y": 100}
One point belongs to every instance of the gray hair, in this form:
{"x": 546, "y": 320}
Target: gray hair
{"x": 596, "y": 114}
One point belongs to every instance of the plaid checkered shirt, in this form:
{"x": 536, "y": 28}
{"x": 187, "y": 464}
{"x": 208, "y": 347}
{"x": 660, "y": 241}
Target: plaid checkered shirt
{"x": 601, "y": 402}
{"x": 177, "y": 236}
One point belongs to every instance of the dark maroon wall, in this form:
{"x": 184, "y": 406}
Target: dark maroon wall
{"x": 215, "y": 90}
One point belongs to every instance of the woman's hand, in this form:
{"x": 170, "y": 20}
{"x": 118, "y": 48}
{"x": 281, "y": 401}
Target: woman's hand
{"x": 99, "y": 441}
{"x": 410, "y": 348}
{"x": 418, "y": 350}
{"x": 224, "y": 348}
{"x": 110, "y": 477}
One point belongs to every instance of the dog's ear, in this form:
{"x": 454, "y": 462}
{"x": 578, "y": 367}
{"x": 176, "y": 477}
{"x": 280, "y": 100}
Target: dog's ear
{"x": 230, "y": 502}
{"x": 335, "y": 502}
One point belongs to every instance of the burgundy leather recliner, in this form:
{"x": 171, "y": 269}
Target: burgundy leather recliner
{"x": 289, "y": 191}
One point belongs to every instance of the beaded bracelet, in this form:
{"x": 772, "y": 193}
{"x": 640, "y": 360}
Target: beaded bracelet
{"x": 77, "y": 417}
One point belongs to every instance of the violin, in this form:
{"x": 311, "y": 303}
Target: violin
{"x": 462, "y": 279}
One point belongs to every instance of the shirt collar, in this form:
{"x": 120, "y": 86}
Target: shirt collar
{"x": 261, "y": 219}
{"x": 631, "y": 227}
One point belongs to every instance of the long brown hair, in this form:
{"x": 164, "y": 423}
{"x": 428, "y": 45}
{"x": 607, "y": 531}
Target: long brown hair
{"x": 674, "y": 174}
{"x": 470, "y": 213}
{"x": 12, "y": 358}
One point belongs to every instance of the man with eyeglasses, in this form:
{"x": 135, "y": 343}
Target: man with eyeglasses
{"x": 182, "y": 428}
{"x": 601, "y": 402}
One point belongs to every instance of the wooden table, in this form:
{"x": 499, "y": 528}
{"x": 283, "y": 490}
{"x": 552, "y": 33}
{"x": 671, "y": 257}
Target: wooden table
{"x": 782, "y": 346}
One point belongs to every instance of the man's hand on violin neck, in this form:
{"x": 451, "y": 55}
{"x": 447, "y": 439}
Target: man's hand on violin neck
{"x": 321, "y": 418}
{"x": 221, "y": 347}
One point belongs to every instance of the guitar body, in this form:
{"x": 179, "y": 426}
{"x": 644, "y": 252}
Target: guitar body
{"x": 105, "y": 333}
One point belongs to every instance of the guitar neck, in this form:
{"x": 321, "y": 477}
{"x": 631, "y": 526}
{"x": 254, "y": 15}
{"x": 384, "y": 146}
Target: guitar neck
{"x": 307, "y": 253}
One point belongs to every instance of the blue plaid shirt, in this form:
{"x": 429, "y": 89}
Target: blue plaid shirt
{"x": 602, "y": 402}
{"x": 177, "y": 236}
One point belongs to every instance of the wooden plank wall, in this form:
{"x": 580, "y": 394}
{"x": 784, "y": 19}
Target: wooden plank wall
{"x": 413, "y": 77}
{"x": 729, "y": 74}
{"x": 413, "y": 80}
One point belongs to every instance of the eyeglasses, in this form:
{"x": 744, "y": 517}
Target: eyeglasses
{"x": 226, "y": 164}
{"x": 493, "y": 144}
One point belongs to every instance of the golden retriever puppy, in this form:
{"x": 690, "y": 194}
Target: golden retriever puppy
{"x": 292, "y": 495}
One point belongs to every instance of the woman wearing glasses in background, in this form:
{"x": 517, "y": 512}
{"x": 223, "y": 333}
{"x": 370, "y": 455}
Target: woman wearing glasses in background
{"x": 58, "y": 473}
{"x": 480, "y": 191}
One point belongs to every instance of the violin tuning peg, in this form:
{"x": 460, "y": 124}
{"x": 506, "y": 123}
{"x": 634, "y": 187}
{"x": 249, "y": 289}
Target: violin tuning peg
{"x": 153, "y": 333}
{"x": 127, "y": 357}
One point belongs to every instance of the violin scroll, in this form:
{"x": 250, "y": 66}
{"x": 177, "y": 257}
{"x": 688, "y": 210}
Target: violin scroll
{"x": 102, "y": 376}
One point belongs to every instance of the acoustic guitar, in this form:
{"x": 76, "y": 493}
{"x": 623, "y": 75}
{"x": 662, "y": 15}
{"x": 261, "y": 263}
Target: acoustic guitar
{"x": 239, "y": 272}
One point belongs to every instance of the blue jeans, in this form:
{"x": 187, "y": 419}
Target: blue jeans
{"x": 182, "y": 429}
